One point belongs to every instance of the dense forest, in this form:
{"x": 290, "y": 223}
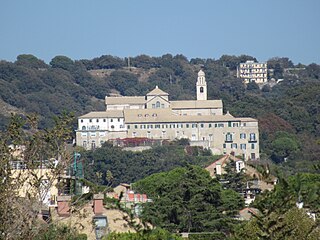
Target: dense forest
{"x": 288, "y": 111}
{"x": 129, "y": 167}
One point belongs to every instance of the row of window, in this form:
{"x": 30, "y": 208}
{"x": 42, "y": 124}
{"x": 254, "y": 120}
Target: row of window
{"x": 186, "y": 125}
{"x": 102, "y": 120}
{"x": 242, "y": 146}
{"x": 93, "y": 134}
{"x": 262, "y": 65}
{"x": 229, "y": 136}
{"x": 98, "y": 127}
{"x": 255, "y": 70}
{"x": 252, "y": 137}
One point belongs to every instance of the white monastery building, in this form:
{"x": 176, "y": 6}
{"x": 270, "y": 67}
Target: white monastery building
{"x": 251, "y": 71}
{"x": 154, "y": 116}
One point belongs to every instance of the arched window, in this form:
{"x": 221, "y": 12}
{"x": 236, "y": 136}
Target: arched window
{"x": 93, "y": 144}
{"x": 83, "y": 127}
{"x": 201, "y": 89}
{"x": 157, "y": 104}
{"x": 84, "y": 144}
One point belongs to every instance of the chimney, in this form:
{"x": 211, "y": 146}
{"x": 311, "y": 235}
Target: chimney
{"x": 64, "y": 206}
{"x": 98, "y": 204}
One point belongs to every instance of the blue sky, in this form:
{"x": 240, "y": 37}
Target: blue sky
{"x": 84, "y": 29}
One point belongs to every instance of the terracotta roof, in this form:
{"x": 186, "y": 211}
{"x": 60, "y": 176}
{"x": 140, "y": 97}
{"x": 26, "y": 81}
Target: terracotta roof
{"x": 157, "y": 92}
{"x": 194, "y": 104}
{"x": 105, "y": 114}
{"x": 247, "y": 213}
{"x": 125, "y": 100}
{"x": 219, "y": 161}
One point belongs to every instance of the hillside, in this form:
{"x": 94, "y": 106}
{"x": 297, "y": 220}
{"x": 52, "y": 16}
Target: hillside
{"x": 288, "y": 112}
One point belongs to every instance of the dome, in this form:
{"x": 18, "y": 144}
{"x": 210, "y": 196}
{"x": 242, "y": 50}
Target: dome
{"x": 201, "y": 73}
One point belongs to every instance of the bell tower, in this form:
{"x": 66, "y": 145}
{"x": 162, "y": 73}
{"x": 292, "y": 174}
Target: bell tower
{"x": 201, "y": 86}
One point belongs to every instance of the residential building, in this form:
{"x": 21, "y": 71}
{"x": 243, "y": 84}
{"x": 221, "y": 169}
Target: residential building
{"x": 218, "y": 166}
{"x": 154, "y": 116}
{"x": 251, "y": 71}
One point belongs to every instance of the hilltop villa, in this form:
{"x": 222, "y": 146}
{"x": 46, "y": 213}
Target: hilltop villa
{"x": 154, "y": 116}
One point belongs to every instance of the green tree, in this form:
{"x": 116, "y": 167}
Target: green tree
{"x": 155, "y": 234}
{"x": 28, "y": 60}
{"x": 62, "y": 62}
{"x": 105, "y": 62}
{"x": 284, "y": 145}
{"x": 176, "y": 196}
{"x": 294, "y": 224}
{"x": 122, "y": 80}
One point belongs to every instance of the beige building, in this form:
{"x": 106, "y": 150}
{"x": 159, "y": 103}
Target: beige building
{"x": 154, "y": 116}
{"x": 251, "y": 71}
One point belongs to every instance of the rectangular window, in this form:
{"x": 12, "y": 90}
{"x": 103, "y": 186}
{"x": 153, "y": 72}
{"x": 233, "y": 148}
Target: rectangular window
{"x": 202, "y": 125}
{"x": 224, "y": 145}
{"x": 234, "y": 146}
{"x": 97, "y": 120}
{"x": 193, "y": 137}
{"x": 128, "y": 126}
{"x": 210, "y": 137}
{"x": 252, "y": 146}
{"x": 118, "y": 119}
{"x": 81, "y": 120}
{"x": 242, "y": 136}
{"x": 243, "y": 146}
{"x": 104, "y": 120}
{"x": 187, "y": 125}
{"x": 153, "y": 106}
{"x": 83, "y": 134}
{"x": 135, "y": 126}
{"x": 92, "y": 134}
{"x": 210, "y": 125}
{"x": 229, "y": 124}
{"x": 228, "y": 137}
{"x": 235, "y": 124}
{"x": 252, "y": 137}
{"x": 194, "y": 125}
{"x": 90, "y": 120}
{"x": 111, "y": 120}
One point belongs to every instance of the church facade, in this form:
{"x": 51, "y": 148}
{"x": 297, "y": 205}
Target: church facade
{"x": 154, "y": 116}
